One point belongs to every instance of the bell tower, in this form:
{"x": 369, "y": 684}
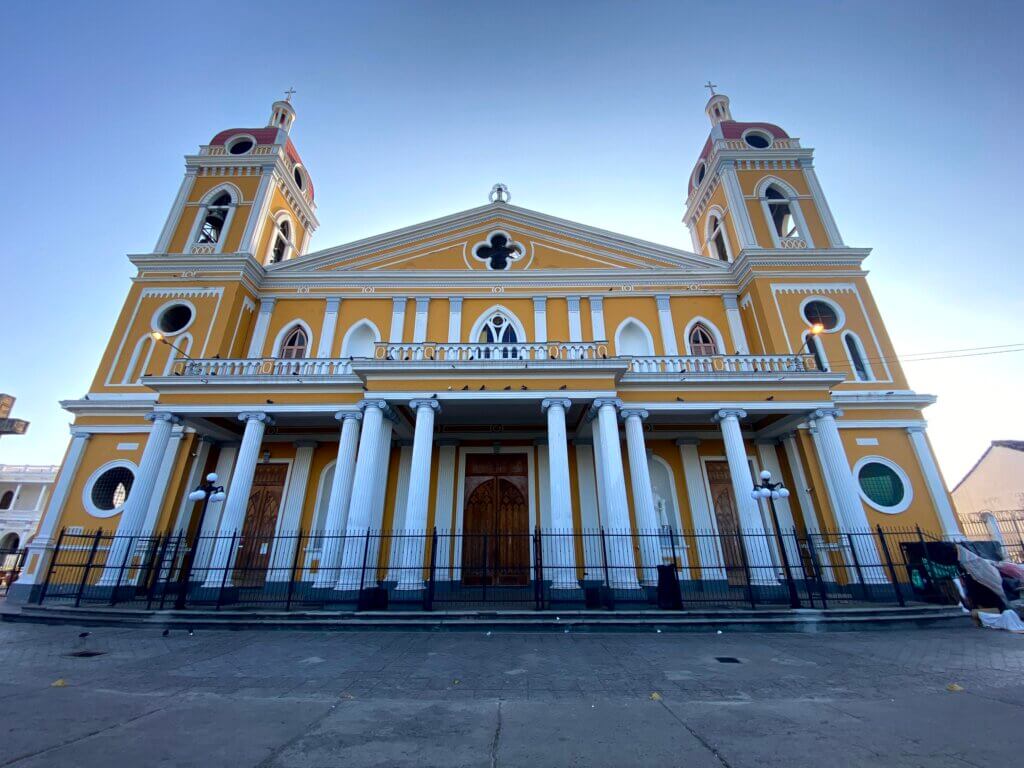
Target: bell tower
{"x": 246, "y": 192}
{"x": 754, "y": 188}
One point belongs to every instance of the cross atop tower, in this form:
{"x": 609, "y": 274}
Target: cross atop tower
{"x": 711, "y": 87}
{"x": 291, "y": 91}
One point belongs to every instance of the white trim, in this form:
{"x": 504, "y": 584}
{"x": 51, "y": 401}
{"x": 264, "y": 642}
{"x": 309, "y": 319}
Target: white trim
{"x": 540, "y": 319}
{"x": 419, "y": 329}
{"x": 398, "y": 307}
{"x": 572, "y": 304}
{"x": 808, "y": 339}
{"x": 209, "y": 197}
{"x": 666, "y": 324}
{"x": 908, "y": 489}
{"x": 646, "y": 331}
{"x": 848, "y": 334}
{"x": 237, "y": 138}
{"x": 792, "y": 198}
{"x": 185, "y": 343}
{"x": 484, "y": 316}
{"x": 763, "y": 133}
{"x": 597, "y": 318}
{"x": 719, "y": 214}
{"x": 717, "y": 334}
{"x": 133, "y": 361}
{"x": 454, "y": 319}
{"x": 365, "y": 322}
{"x": 275, "y": 350}
{"x": 675, "y": 494}
{"x": 840, "y": 314}
{"x": 289, "y": 242}
{"x": 87, "y": 489}
{"x": 509, "y": 261}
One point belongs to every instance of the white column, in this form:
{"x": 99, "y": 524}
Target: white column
{"x": 454, "y": 319}
{"x": 257, "y": 215}
{"x": 643, "y": 497}
{"x": 233, "y": 517}
{"x": 44, "y": 537}
{"x": 737, "y": 206}
{"x": 286, "y": 535}
{"x": 709, "y": 546}
{"x": 575, "y": 326}
{"x": 163, "y": 478}
{"x": 540, "y": 319}
{"x": 397, "y": 319}
{"x": 850, "y": 513}
{"x": 419, "y": 331}
{"x": 620, "y": 543}
{"x": 933, "y": 479}
{"x": 133, "y": 516}
{"x": 597, "y": 318}
{"x": 667, "y": 325}
{"x": 326, "y": 344}
{"x": 732, "y": 316}
{"x": 602, "y": 494}
{"x": 259, "y": 328}
{"x": 444, "y": 503}
{"x": 564, "y": 577}
{"x": 766, "y": 452}
{"x": 361, "y": 508}
{"x": 174, "y": 217}
{"x": 586, "y": 477}
{"x": 755, "y": 538}
{"x": 803, "y": 496}
{"x": 411, "y": 549}
{"x": 338, "y": 501}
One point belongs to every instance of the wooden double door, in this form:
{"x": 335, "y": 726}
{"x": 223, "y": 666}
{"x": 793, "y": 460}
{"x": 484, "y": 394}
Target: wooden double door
{"x": 252, "y": 558}
{"x": 496, "y": 520}
{"x": 727, "y": 516}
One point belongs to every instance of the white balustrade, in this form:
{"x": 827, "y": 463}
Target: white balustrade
{"x": 716, "y": 364}
{"x": 233, "y": 368}
{"x": 473, "y": 352}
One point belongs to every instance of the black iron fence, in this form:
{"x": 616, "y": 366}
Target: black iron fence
{"x": 541, "y": 569}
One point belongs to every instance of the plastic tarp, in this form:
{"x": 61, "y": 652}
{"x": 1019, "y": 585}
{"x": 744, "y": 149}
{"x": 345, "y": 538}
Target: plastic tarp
{"x": 1011, "y": 570}
{"x": 982, "y": 571}
{"x": 1007, "y": 620}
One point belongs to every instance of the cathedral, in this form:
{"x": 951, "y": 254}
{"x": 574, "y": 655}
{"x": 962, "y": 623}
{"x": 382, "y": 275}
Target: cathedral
{"x": 492, "y": 395}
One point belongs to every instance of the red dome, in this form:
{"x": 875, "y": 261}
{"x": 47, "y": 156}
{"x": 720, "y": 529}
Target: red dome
{"x": 733, "y": 130}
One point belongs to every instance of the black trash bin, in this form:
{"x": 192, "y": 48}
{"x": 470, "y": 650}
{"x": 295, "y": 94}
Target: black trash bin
{"x": 669, "y": 596}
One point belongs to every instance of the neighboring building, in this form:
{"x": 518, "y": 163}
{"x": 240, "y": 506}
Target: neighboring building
{"x": 24, "y": 490}
{"x": 990, "y": 499}
{"x": 493, "y": 371}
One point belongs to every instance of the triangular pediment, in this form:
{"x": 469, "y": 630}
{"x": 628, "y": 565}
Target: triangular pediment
{"x": 533, "y": 242}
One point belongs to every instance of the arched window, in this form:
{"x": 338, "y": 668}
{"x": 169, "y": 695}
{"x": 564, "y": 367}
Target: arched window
{"x": 814, "y": 347}
{"x": 717, "y": 243}
{"x": 858, "y": 362}
{"x": 9, "y": 544}
{"x": 701, "y": 341}
{"x": 360, "y": 340}
{"x": 781, "y": 212}
{"x": 282, "y": 241}
{"x": 294, "y": 345}
{"x": 497, "y": 329}
{"x": 632, "y": 339}
{"x": 7, "y": 501}
{"x": 215, "y": 219}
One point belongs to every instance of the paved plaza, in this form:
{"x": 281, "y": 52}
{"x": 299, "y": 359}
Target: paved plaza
{"x": 389, "y": 699}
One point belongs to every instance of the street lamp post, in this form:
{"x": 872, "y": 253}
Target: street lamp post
{"x": 207, "y": 491}
{"x": 812, "y": 333}
{"x": 766, "y": 489}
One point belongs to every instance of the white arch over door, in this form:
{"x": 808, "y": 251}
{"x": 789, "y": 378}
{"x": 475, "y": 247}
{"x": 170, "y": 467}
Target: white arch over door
{"x": 481, "y": 321}
{"x": 633, "y": 338}
{"x": 359, "y": 340}
{"x": 712, "y": 329}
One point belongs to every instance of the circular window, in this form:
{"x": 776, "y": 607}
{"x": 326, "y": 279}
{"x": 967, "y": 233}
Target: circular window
{"x": 241, "y": 146}
{"x": 817, "y": 311}
{"x": 297, "y": 173}
{"x": 174, "y": 318}
{"x": 757, "y": 139}
{"x": 883, "y": 484}
{"x": 108, "y": 490}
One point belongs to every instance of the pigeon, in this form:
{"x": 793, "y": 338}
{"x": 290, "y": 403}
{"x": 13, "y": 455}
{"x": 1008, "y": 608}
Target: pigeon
{"x": 465, "y": 388}
{"x": 508, "y": 388}
{"x": 84, "y": 635}
{"x": 269, "y": 401}
{"x": 166, "y": 632}
{"x": 564, "y": 386}
{"x": 680, "y": 400}
{"x": 524, "y": 387}
{"x": 770, "y": 397}
{"x": 483, "y": 387}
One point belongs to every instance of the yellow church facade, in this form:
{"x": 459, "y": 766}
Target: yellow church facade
{"x": 490, "y": 374}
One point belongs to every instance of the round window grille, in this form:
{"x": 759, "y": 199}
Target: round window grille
{"x": 820, "y": 312}
{"x": 174, "y": 318}
{"x": 881, "y": 484}
{"x": 111, "y": 489}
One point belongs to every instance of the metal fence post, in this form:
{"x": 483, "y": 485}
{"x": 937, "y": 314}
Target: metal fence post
{"x": 746, "y": 568}
{"x": 891, "y": 567}
{"x": 483, "y": 579}
{"x": 170, "y": 571}
{"x": 292, "y": 573}
{"x": 675, "y": 565}
{"x": 155, "y": 571}
{"x": 88, "y": 566}
{"x": 53, "y": 565}
{"x": 120, "y": 568}
{"x": 428, "y": 595}
{"x": 366, "y": 554}
{"x": 540, "y": 568}
{"x": 607, "y": 577}
{"x": 227, "y": 564}
{"x": 818, "y": 572}
{"x": 856, "y": 563}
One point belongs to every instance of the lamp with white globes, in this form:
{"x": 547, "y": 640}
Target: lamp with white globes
{"x": 769, "y": 491}
{"x": 207, "y": 492}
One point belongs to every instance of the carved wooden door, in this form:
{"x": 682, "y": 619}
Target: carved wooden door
{"x": 496, "y": 521}
{"x": 257, "y": 538}
{"x": 724, "y": 503}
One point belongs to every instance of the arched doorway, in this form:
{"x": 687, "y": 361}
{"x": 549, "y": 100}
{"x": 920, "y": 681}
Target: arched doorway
{"x": 496, "y": 521}
{"x": 9, "y": 543}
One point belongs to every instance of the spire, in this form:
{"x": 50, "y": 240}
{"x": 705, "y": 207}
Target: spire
{"x": 717, "y": 107}
{"x": 282, "y": 114}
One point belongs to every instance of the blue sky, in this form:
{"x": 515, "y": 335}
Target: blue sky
{"x": 591, "y": 111}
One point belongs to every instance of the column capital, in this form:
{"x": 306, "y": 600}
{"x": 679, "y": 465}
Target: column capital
{"x": 596, "y": 301}
{"x": 629, "y": 413}
{"x": 687, "y": 441}
{"x": 601, "y": 402}
{"x": 547, "y": 402}
{"x": 540, "y": 302}
{"x": 727, "y": 413}
{"x": 255, "y": 416}
{"x": 425, "y": 403}
{"x": 267, "y": 303}
{"x": 333, "y": 302}
{"x": 422, "y": 303}
{"x": 162, "y": 416}
{"x": 730, "y": 300}
{"x": 662, "y": 300}
{"x": 343, "y": 415}
{"x": 826, "y": 413}
{"x": 573, "y": 303}
{"x": 399, "y": 301}
{"x": 455, "y": 302}
{"x": 385, "y": 409}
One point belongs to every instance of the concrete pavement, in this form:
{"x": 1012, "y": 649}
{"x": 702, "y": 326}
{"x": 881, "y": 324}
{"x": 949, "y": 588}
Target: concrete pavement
{"x": 460, "y": 699}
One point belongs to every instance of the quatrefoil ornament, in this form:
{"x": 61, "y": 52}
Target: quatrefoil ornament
{"x": 499, "y": 250}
